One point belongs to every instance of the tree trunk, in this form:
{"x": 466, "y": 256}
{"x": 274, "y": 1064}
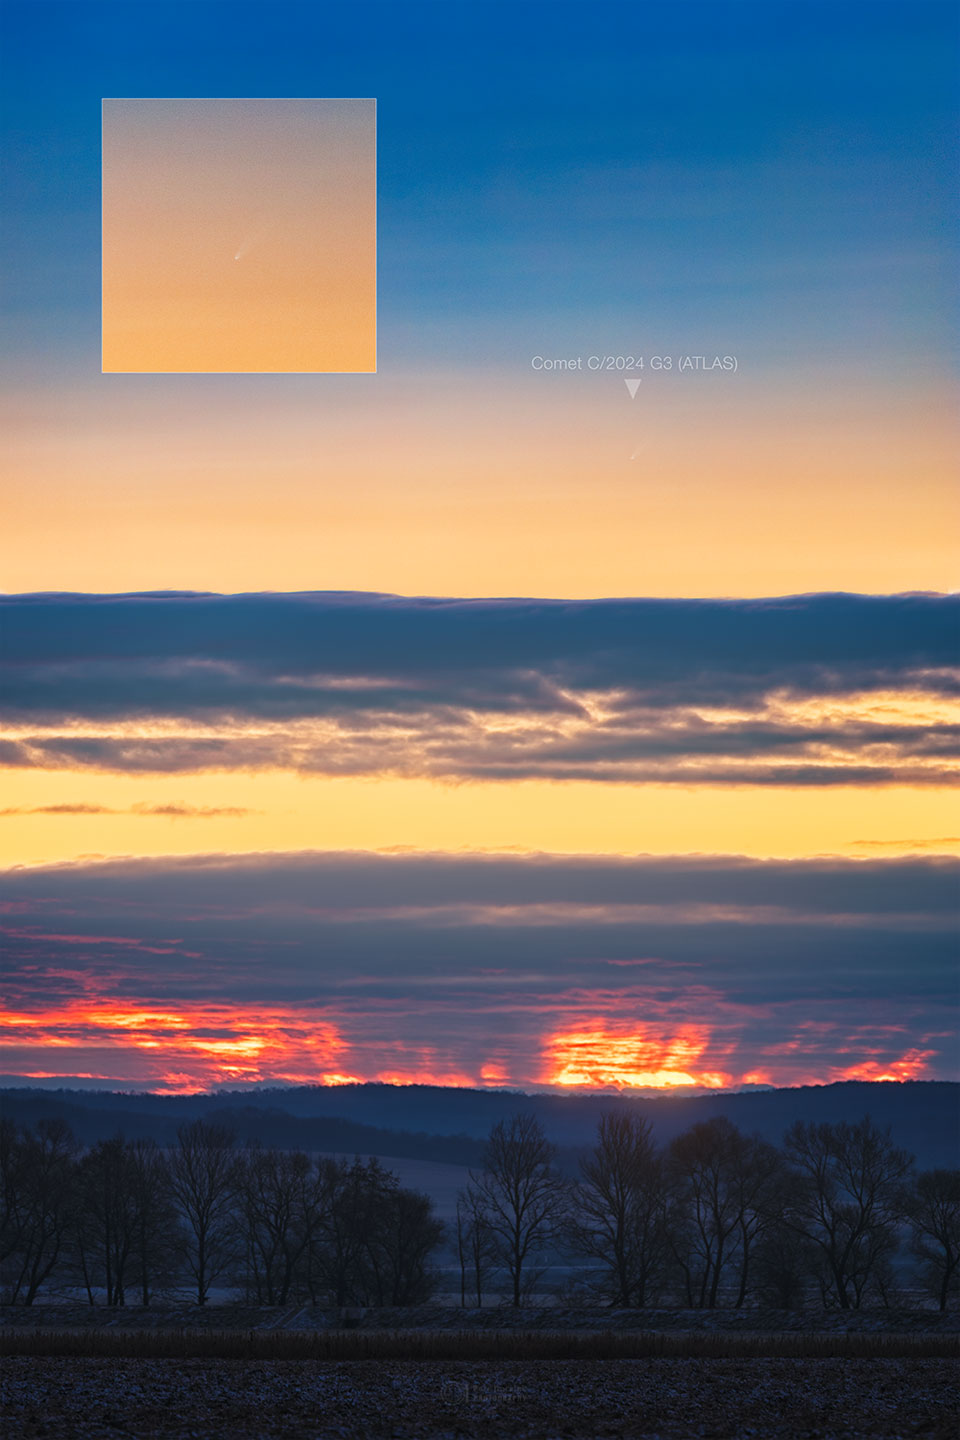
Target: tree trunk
{"x": 715, "y": 1282}
{"x": 744, "y": 1266}
{"x": 701, "y": 1304}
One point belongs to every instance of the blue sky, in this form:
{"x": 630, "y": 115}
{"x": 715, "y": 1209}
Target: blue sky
{"x": 772, "y": 175}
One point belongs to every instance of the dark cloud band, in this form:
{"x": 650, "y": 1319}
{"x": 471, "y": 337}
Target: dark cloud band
{"x": 637, "y": 691}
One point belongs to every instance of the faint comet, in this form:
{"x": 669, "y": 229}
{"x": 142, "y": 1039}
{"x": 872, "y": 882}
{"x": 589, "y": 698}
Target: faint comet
{"x": 252, "y": 237}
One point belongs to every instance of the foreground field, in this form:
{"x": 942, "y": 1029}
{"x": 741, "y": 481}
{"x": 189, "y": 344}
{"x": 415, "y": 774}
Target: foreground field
{"x": 104, "y": 1343}
{"x": 300, "y": 1319}
{"x": 657, "y": 1399}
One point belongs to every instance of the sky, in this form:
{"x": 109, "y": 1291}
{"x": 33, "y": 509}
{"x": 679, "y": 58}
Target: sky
{"x": 611, "y": 738}
{"x": 284, "y": 189}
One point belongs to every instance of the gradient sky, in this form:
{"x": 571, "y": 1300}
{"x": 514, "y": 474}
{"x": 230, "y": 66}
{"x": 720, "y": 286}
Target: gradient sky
{"x": 303, "y": 826}
{"x": 239, "y": 235}
{"x": 765, "y": 180}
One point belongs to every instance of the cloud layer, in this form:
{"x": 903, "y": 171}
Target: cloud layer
{"x": 481, "y": 969}
{"x": 808, "y": 690}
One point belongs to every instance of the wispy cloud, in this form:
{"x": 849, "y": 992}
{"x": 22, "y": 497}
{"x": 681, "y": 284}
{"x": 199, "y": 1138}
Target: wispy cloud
{"x": 169, "y": 812}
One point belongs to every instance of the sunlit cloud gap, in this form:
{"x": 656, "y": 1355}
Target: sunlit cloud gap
{"x": 202, "y": 1047}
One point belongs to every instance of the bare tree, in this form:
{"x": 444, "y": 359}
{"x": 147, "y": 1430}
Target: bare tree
{"x": 618, "y": 1208}
{"x": 932, "y": 1207}
{"x": 13, "y": 1197}
{"x": 105, "y": 1232}
{"x": 405, "y": 1236}
{"x": 266, "y": 1192}
{"x": 40, "y": 1179}
{"x": 340, "y": 1257}
{"x": 323, "y": 1188}
{"x": 202, "y": 1179}
{"x": 522, "y": 1195}
{"x": 760, "y": 1183}
{"x": 154, "y": 1218}
{"x": 846, "y": 1200}
{"x": 705, "y": 1210}
{"x": 281, "y": 1212}
{"x": 476, "y": 1247}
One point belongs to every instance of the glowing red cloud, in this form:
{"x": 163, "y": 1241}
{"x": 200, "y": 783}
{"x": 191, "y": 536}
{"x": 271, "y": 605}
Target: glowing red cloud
{"x": 911, "y": 1066}
{"x": 640, "y": 1056}
{"x": 190, "y": 1047}
{"x": 174, "y": 1046}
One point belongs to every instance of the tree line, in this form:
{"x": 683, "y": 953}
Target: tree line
{"x": 716, "y": 1217}
{"x": 130, "y": 1221}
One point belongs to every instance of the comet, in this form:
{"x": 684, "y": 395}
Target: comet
{"x": 252, "y": 237}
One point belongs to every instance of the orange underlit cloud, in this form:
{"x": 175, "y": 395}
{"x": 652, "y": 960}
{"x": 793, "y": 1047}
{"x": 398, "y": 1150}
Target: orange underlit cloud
{"x": 911, "y": 1066}
{"x": 640, "y": 1057}
{"x": 189, "y": 1048}
{"x": 199, "y": 1046}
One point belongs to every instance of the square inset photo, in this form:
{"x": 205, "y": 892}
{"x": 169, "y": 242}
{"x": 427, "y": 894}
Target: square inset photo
{"x": 239, "y": 236}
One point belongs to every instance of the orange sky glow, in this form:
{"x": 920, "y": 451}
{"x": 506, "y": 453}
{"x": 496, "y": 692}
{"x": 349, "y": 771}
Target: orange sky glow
{"x": 196, "y": 1047}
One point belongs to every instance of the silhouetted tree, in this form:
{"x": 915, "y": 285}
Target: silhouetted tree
{"x": 760, "y": 1184}
{"x": 705, "y": 1210}
{"x": 932, "y": 1207}
{"x": 341, "y": 1256}
{"x": 105, "y": 1215}
{"x": 155, "y": 1219}
{"x": 38, "y": 1193}
{"x": 405, "y": 1234}
{"x": 476, "y": 1244}
{"x": 522, "y": 1195}
{"x": 13, "y": 1197}
{"x": 275, "y": 1196}
{"x": 203, "y": 1183}
{"x": 618, "y": 1208}
{"x": 845, "y": 1198}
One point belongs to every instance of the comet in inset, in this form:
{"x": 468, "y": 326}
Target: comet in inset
{"x": 253, "y": 237}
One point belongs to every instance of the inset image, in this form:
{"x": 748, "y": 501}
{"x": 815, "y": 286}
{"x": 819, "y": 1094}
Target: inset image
{"x": 239, "y": 236}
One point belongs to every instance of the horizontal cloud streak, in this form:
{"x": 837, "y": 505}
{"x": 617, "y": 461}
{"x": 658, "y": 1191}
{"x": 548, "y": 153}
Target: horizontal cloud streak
{"x": 167, "y": 812}
{"x": 822, "y": 689}
{"x": 314, "y": 881}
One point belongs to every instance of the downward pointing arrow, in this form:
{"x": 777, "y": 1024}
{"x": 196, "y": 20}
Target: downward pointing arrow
{"x": 633, "y": 386}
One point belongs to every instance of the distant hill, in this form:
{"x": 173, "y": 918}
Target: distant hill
{"x": 436, "y": 1123}
{"x": 272, "y": 1126}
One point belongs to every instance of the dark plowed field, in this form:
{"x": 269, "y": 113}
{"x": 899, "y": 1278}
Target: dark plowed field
{"x": 672, "y": 1399}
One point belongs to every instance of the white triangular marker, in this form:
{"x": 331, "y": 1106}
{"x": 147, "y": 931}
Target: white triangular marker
{"x": 633, "y": 386}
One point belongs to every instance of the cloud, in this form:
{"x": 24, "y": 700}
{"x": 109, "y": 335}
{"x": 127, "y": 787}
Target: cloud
{"x": 79, "y": 809}
{"x": 808, "y": 690}
{"x": 530, "y": 966}
{"x": 314, "y": 881}
{"x": 171, "y": 812}
{"x": 191, "y": 812}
